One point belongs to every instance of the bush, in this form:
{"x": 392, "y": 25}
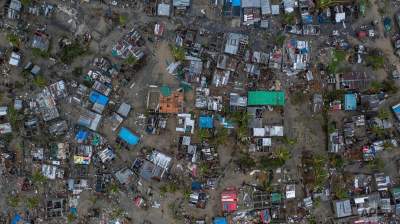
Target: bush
{"x": 77, "y": 72}
{"x": 13, "y": 39}
{"x": 122, "y": 19}
{"x": 375, "y": 61}
{"x": 131, "y": 60}
{"x": 39, "y": 53}
{"x": 40, "y": 81}
{"x": 268, "y": 163}
{"x": 245, "y": 161}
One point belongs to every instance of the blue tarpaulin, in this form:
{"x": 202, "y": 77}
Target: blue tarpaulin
{"x": 220, "y": 220}
{"x": 128, "y": 136}
{"x": 16, "y": 219}
{"x": 96, "y": 97}
{"x": 206, "y": 122}
{"x": 350, "y": 101}
{"x": 196, "y": 186}
{"x": 81, "y": 136}
{"x": 74, "y": 211}
{"x": 236, "y": 2}
{"x": 308, "y": 19}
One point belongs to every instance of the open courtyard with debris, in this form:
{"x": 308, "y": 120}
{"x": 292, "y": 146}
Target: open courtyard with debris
{"x": 199, "y": 111}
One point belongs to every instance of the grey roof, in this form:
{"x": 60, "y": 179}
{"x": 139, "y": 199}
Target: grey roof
{"x": 237, "y": 100}
{"x": 251, "y": 4}
{"x": 232, "y": 42}
{"x": 124, "y": 109}
{"x": 40, "y": 42}
{"x": 342, "y": 208}
{"x": 265, "y": 7}
{"x": 181, "y": 3}
{"x": 35, "y": 70}
{"x": 124, "y": 176}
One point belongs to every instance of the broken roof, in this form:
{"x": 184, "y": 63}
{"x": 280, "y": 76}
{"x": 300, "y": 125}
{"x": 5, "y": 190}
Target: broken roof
{"x": 47, "y": 105}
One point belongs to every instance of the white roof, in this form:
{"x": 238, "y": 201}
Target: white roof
{"x": 275, "y": 130}
{"x": 258, "y": 132}
{"x": 3, "y": 111}
{"x": 339, "y": 17}
{"x": 275, "y": 9}
{"x": 14, "y": 59}
{"x": 290, "y": 191}
{"x": 266, "y": 142}
{"x": 5, "y": 128}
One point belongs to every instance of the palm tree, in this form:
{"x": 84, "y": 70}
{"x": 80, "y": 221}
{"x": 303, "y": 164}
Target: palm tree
{"x": 221, "y": 136}
{"x": 282, "y": 154}
{"x": 203, "y": 134}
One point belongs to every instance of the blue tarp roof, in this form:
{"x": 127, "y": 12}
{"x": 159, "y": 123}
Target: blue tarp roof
{"x": 128, "y": 136}
{"x": 96, "y": 97}
{"x": 396, "y": 109}
{"x": 206, "y": 122}
{"x": 220, "y": 220}
{"x": 196, "y": 186}
{"x": 81, "y": 135}
{"x": 236, "y": 2}
{"x": 16, "y": 219}
{"x": 74, "y": 211}
{"x": 350, "y": 101}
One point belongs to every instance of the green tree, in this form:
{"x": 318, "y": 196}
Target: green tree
{"x": 389, "y": 86}
{"x": 40, "y": 81}
{"x": 26, "y": 3}
{"x": 268, "y": 163}
{"x": 72, "y": 51}
{"x": 77, "y": 72}
{"x": 282, "y": 154}
{"x": 375, "y": 87}
{"x": 32, "y": 202}
{"x": 13, "y": 200}
{"x": 280, "y": 39}
{"x": 38, "y": 178}
{"x": 71, "y": 218}
{"x": 37, "y": 53}
{"x": 376, "y": 165}
{"x": 383, "y": 114}
{"x": 289, "y": 18}
{"x": 13, "y": 39}
{"x": 203, "y": 134}
{"x": 178, "y": 53}
{"x": 375, "y": 61}
{"x": 113, "y": 188}
{"x": 131, "y": 60}
{"x": 246, "y": 161}
{"x": 122, "y": 19}
{"x": 221, "y": 136}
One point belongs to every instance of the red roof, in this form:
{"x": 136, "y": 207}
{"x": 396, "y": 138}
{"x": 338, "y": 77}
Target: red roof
{"x": 229, "y": 200}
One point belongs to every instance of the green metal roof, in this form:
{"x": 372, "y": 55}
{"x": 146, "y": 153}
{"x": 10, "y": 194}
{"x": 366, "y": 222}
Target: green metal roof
{"x": 276, "y": 197}
{"x": 261, "y": 98}
{"x": 165, "y": 91}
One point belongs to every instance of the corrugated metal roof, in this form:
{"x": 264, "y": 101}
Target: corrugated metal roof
{"x": 181, "y": 3}
{"x": 260, "y": 98}
{"x": 251, "y": 4}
